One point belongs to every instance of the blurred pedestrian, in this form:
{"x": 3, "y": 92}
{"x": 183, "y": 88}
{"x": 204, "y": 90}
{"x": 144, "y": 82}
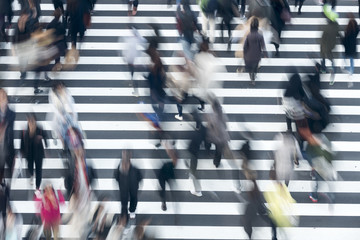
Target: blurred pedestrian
{"x": 60, "y": 39}
{"x": 49, "y": 204}
{"x": 132, "y": 7}
{"x": 32, "y": 148}
{"x": 256, "y": 206}
{"x": 14, "y": 223}
{"x": 227, "y": 10}
{"x": 321, "y": 157}
{"x": 131, "y": 52}
{"x": 332, "y": 2}
{"x": 157, "y": 79}
{"x": 300, "y": 3}
{"x": 63, "y": 111}
{"x": 208, "y": 12}
{"x": 186, "y": 24}
{"x": 7, "y": 151}
{"x": 254, "y": 47}
{"x": 328, "y": 41}
{"x": 128, "y": 178}
{"x": 286, "y": 154}
{"x": 242, "y": 8}
{"x": 216, "y": 132}
{"x": 4, "y": 201}
{"x": 5, "y": 11}
{"x": 76, "y": 11}
{"x": 350, "y": 42}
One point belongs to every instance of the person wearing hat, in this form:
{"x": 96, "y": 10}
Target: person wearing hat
{"x": 328, "y": 40}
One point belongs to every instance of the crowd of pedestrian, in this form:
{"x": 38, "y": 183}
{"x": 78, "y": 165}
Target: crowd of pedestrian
{"x": 40, "y": 46}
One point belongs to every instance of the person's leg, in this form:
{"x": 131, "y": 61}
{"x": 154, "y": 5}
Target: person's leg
{"x": 212, "y": 28}
{"x": 124, "y": 203}
{"x": 133, "y": 200}
{"x": 55, "y": 229}
{"x": 47, "y": 232}
{"x": 204, "y": 23}
{"x": 38, "y": 168}
{"x": 243, "y": 6}
{"x": 180, "y": 109}
{"x": 273, "y": 229}
{"x": 300, "y": 6}
{"x": 222, "y": 24}
{"x": 323, "y": 65}
{"x": 288, "y": 124}
{"x": 218, "y": 154}
{"x": 30, "y": 161}
{"x": 351, "y": 65}
{"x": 162, "y": 183}
{"x": 193, "y": 173}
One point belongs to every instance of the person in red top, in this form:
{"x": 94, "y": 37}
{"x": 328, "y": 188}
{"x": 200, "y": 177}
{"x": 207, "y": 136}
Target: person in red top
{"x": 49, "y": 205}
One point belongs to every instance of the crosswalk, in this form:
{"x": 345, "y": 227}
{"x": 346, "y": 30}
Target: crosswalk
{"x": 107, "y": 110}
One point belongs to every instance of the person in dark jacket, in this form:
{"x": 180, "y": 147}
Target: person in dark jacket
{"x": 186, "y": 25}
{"x": 4, "y": 201}
{"x": 75, "y": 11}
{"x": 5, "y": 11}
{"x": 128, "y": 178}
{"x": 226, "y": 10}
{"x": 166, "y": 173}
{"x": 7, "y": 151}
{"x": 350, "y": 41}
{"x": 59, "y": 34}
{"x": 332, "y": 2}
{"x": 254, "y": 46}
{"x": 327, "y": 44}
{"x": 32, "y": 148}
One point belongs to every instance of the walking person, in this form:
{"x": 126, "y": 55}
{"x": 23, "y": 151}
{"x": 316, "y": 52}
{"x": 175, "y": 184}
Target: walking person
{"x": 7, "y": 150}
{"x": 300, "y": 4}
{"x": 186, "y": 23}
{"x": 166, "y": 173}
{"x": 32, "y": 148}
{"x": 328, "y": 43}
{"x": 208, "y": 12}
{"x": 132, "y": 7}
{"x": 128, "y": 178}
{"x": 350, "y": 41}
{"x": 242, "y": 8}
{"x": 131, "y": 52}
{"x": 254, "y": 47}
{"x": 49, "y": 205}
{"x": 227, "y": 10}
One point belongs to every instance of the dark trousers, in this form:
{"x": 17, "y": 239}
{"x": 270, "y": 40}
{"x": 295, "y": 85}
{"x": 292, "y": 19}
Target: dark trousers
{"x": 323, "y": 65}
{"x": 124, "y": 197}
{"x": 166, "y": 175}
{"x": 332, "y": 2}
{"x": 300, "y": 3}
{"x": 252, "y": 70}
{"x": 242, "y": 7}
{"x": 225, "y": 23}
{"x": 218, "y": 154}
{"x": 251, "y": 213}
{"x": 38, "y": 169}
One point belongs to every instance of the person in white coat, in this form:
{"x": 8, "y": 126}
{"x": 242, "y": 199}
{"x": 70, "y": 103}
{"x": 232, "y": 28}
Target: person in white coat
{"x": 287, "y": 153}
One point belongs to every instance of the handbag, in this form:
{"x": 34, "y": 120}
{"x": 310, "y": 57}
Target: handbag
{"x": 285, "y": 15}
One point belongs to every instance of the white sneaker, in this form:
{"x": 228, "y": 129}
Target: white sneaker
{"x": 132, "y": 215}
{"x": 37, "y": 193}
{"x": 178, "y": 117}
{"x": 196, "y": 193}
{"x": 31, "y": 181}
{"x": 237, "y": 190}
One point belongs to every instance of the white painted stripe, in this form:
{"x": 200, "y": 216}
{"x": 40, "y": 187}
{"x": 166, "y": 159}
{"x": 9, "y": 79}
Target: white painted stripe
{"x": 188, "y": 126}
{"x": 234, "y": 233}
{"x": 220, "y": 92}
{"x": 116, "y": 76}
{"x": 215, "y": 47}
{"x": 217, "y": 185}
{"x": 141, "y": 108}
{"x": 203, "y": 164}
{"x": 208, "y": 208}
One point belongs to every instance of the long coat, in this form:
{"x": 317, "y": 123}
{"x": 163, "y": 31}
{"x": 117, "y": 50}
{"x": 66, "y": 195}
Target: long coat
{"x": 349, "y": 42}
{"x": 34, "y": 149}
{"x": 328, "y": 39}
{"x": 8, "y": 123}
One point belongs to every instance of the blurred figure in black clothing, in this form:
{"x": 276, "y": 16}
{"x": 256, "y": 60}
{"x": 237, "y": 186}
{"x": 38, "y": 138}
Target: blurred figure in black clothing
{"x": 128, "y": 178}
{"x": 59, "y": 34}
{"x": 5, "y": 11}
{"x": 75, "y": 11}
{"x": 32, "y": 148}
{"x": 7, "y": 151}
{"x": 227, "y": 10}
{"x": 166, "y": 173}
{"x": 300, "y": 3}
